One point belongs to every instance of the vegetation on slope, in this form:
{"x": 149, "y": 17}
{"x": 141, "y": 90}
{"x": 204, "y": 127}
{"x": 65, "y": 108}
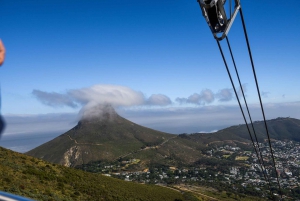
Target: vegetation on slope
{"x": 111, "y": 139}
{"x": 99, "y": 139}
{"x": 279, "y": 129}
{"x": 30, "y": 177}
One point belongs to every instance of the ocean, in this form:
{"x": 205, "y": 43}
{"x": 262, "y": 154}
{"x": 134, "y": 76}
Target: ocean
{"x": 26, "y": 141}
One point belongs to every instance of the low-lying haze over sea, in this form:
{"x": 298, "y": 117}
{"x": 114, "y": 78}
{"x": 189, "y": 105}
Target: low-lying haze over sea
{"x": 26, "y": 141}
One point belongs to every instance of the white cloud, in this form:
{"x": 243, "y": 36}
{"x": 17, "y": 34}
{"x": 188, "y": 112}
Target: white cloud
{"x": 54, "y": 99}
{"x": 225, "y": 95}
{"x": 194, "y": 98}
{"x": 107, "y": 94}
{"x": 96, "y": 95}
{"x": 100, "y": 95}
{"x": 244, "y": 87}
{"x": 159, "y": 99}
{"x": 124, "y": 96}
{"x": 181, "y": 100}
{"x": 206, "y": 96}
{"x": 184, "y": 118}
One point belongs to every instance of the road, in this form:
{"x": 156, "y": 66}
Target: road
{"x": 146, "y": 148}
{"x": 187, "y": 188}
{"x": 83, "y": 143}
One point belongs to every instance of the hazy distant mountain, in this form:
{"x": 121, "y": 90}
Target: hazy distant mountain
{"x": 108, "y": 137}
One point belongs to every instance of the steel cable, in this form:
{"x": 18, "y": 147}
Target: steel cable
{"x": 261, "y": 161}
{"x": 261, "y": 105}
{"x": 233, "y": 86}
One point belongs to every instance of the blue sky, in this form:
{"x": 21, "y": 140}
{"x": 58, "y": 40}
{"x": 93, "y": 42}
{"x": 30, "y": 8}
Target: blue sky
{"x": 161, "y": 50}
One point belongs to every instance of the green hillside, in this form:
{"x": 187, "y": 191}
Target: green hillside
{"x": 279, "y": 129}
{"x": 107, "y": 138}
{"x": 33, "y": 178}
{"x": 188, "y": 148}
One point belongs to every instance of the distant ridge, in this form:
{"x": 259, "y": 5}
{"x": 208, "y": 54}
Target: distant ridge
{"x": 281, "y": 128}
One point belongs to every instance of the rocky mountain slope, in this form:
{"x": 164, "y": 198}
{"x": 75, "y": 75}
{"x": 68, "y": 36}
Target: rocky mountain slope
{"x": 110, "y": 137}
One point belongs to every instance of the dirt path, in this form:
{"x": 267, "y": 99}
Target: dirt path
{"x": 127, "y": 154}
{"x": 174, "y": 189}
{"x": 146, "y": 148}
{"x": 83, "y": 143}
{"x": 180, "y": 188}
{"x": 185, "y": 188}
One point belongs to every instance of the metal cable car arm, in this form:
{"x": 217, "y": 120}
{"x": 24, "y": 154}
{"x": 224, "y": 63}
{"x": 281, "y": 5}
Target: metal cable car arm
{"x": 215, "y": 16}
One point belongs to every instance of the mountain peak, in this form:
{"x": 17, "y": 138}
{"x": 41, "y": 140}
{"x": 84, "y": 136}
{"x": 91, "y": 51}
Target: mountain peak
{"x": 103, "y": 112}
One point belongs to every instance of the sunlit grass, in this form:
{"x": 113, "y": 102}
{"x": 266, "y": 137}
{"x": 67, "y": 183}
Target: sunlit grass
{"x": 241, "y": 158}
